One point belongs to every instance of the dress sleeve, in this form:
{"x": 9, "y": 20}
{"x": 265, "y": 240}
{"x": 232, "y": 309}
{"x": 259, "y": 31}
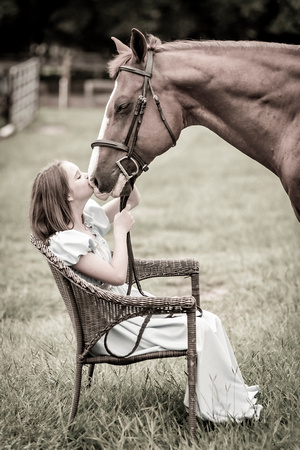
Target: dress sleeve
{"x": 70, "y": 245}
{"x": 96, "y": 217}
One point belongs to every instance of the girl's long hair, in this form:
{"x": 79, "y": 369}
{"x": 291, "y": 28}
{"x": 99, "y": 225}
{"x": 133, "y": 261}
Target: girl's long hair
{"x": 50, "y": 209}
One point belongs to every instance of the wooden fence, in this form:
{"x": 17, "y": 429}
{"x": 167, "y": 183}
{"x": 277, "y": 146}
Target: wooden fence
{"x": 23, "y": 82}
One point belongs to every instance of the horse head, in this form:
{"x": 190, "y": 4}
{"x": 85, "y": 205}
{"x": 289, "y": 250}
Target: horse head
{"x": 134, "y": 129}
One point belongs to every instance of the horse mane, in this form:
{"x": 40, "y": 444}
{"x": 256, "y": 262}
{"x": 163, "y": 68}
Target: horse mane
{"x": 157, "y": 46}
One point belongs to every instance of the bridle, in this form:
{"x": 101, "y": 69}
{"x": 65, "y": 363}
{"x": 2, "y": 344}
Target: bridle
{"x": 133, "y": 131}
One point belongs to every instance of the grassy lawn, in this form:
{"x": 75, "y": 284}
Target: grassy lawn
{"x": 202, "y": 199}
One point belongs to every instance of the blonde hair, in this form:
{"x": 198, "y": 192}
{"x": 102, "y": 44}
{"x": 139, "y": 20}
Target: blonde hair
{"x": 50, "y": 209}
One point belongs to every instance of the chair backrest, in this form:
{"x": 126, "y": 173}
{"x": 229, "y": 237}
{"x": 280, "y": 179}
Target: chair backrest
{"x": 86, "y": 304}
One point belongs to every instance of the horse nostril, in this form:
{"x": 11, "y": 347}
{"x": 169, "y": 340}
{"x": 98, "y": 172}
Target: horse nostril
{"x": 95, "y": 182}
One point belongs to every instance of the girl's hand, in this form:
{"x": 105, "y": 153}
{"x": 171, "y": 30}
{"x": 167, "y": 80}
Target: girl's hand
{"x": 123, "y": 221}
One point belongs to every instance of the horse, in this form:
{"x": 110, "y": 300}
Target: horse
{"x": 247, "y": 92}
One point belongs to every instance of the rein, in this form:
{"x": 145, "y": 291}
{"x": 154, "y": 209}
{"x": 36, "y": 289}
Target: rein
{"x": 131, "y": 266}
{"x": 132, "y": 135}
{"x": 132, "y": 278}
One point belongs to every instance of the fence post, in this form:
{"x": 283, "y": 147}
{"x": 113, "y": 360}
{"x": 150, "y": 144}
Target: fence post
{"x": 64, "y": 83}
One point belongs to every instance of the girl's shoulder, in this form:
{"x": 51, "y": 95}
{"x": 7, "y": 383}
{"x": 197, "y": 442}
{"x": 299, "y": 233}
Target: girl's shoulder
{"x": 96, "y": 218}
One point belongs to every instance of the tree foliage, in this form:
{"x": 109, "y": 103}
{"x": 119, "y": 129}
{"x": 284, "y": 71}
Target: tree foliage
{"x": 89, "y": 24}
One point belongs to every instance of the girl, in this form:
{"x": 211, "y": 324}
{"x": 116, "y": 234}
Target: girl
{"x": 63, "y": 216}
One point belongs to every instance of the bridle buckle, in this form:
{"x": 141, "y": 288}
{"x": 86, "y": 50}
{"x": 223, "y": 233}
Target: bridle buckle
{"x": 124, "y": 171}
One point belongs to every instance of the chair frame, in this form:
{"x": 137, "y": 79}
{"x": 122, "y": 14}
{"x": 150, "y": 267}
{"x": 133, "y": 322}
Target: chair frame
{"x": 93, "y": 311}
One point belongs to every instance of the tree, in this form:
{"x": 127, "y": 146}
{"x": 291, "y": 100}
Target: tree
{"x": 89, "y": 24}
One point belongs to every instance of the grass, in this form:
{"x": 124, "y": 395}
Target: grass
{"x": 203, "y": 199}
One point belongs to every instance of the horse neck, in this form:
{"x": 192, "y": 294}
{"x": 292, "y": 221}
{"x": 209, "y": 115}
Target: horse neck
{"x": 236, "y": 91}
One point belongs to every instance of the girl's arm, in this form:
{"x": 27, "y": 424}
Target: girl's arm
{"x": 113, "y": 207}
{"x": 115, "y": 272}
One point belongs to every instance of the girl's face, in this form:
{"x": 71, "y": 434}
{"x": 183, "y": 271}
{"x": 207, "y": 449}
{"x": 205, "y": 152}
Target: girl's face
{"x": 79, "y": 187}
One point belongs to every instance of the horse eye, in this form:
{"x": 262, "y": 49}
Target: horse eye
{"x": 124, "y": 107}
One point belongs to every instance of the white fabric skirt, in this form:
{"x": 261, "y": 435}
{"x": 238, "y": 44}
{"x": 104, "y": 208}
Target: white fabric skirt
{"x": 222, "y": 394}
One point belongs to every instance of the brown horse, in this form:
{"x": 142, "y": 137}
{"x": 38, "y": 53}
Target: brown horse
{"x": 246, "y": 92}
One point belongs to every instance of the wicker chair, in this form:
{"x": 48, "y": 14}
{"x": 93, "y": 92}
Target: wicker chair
{"x": 94, "y": 311}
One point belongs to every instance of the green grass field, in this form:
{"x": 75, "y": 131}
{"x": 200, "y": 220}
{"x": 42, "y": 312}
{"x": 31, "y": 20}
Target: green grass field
{"x": 202, "y": 199}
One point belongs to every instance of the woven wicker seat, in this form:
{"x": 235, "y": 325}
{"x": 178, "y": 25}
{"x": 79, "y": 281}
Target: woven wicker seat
{"x": 94, "y": 311}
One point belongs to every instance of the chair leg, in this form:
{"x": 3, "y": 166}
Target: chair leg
{"x": 192, "y": 408}
{"x": 76, "y": 395}
{"x": 192, "y": 361}
{"x": 90, "y": 374}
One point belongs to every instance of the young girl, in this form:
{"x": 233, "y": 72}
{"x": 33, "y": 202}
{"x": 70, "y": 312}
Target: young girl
{"x": 63, "y": 216}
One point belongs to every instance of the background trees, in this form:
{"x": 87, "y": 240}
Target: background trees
{"x": 88, "y": 24}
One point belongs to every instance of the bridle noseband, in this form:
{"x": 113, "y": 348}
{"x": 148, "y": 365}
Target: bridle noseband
{"x": 136, "y": 122}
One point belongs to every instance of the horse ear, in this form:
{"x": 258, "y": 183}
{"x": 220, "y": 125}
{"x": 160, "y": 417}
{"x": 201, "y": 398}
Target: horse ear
{"x": 120, "y": 46}
{"x": 138, "y": 44}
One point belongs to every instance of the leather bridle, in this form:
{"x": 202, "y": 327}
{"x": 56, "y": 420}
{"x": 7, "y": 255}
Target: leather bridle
{"x": 132, "y": 135}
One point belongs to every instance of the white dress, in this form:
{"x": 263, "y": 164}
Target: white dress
{"x": 222, "y": 394}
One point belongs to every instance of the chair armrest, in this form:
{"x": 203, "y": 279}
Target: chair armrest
{"x": 155, "y": 268}
{"x": 152, "y": 303}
